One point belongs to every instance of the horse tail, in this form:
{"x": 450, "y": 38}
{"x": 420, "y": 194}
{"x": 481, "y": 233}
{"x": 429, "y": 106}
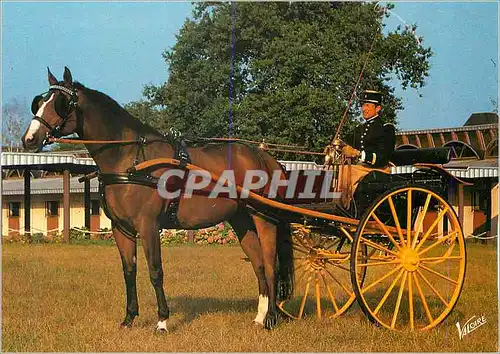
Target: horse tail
{"x": 284, "y": 268}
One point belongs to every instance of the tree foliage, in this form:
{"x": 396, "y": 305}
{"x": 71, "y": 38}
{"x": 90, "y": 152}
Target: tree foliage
{"x": 295, "y": 67}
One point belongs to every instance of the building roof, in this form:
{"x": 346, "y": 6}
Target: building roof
{"x": 46, "y": 186}
{"x": 482, "y": 118}
{"x": 449, "y": 130}
{"x": 47, "y": 161}
{"x": 43, "y": 158}
{"x": 459, "y": 168}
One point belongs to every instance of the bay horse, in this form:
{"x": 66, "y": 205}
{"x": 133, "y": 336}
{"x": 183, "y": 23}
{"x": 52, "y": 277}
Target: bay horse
{"x": 136, "y": 209}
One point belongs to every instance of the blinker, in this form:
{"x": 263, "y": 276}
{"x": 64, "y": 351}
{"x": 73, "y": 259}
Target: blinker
{"x": 61, "y": 105}
{"x": 36, "y": 103}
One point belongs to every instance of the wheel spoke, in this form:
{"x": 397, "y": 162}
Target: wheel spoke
{"x": 400, "y": 295}
{"x": 421, "y": 218}
{"x": 329, "y": 243}
{"x": 438, "y": 274}
{"x": 375, "y": 217}
{"x": 381, "y": 258}
{"x": 410, "y": 302}
{"x": 318, "y": 297}
{"x": 302, "y": 241}
{"x": 298, "y": 259}
{"x": 424, "y": 302}
{"x": 388, "y": 292}
{"x": 408, "y": 217}
{"x": 338, "y": 266}
{"x": 428, "y": 259}
{"x": 378, "y": 263}
{"x": 377, "y": 246}
{"x": 330, "y": 293}
{"x": 428, "y": 232}
{"x": 432, "y": 288}
{"x": 303, "y": 273}
{"x": 438, "y": 242}
{"x": 380, "y": 279}
{"x": 396, "y": 220}
{"x": 348, "y": 291}
{"x": 303, "y": 302}
{"x": 300, "y": 249}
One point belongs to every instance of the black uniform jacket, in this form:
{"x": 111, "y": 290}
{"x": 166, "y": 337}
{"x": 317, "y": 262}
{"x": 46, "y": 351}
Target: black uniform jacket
{"x": 376, "y": 142}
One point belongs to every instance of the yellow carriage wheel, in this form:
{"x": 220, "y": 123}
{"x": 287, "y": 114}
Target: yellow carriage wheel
{"x": 322, "y": 274}
{"x": 416, "y": 261}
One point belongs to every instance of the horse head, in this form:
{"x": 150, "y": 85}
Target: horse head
{"x": 55, "y": 112}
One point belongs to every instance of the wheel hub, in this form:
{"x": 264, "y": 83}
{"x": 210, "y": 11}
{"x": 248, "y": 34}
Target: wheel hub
{"x": 410, "y": 259}
{"x": 315, "y": 259}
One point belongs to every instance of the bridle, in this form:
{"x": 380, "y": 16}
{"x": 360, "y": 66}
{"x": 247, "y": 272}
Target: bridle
{"x": 62, "y": 112}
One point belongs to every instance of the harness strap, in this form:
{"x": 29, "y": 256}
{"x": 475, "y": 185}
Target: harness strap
{"x": 44, "y": 122}
{"x": 109, "y": 179}
{"x": 121, "y": 225}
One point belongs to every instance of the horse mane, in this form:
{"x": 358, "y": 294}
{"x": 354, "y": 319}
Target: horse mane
{"x": 116, "y": 110}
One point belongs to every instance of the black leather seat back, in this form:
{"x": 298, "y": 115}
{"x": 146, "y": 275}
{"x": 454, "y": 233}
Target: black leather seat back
{"x": 439, "y": 155}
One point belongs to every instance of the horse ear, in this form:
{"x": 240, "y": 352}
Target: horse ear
{"x": 68, "y": 80}
{"x": 52, "y": 78}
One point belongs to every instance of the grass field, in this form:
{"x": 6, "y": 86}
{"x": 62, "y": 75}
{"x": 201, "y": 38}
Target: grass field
{"x": 71, "y": 298}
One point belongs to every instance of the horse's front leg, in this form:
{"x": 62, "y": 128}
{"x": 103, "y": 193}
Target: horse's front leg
{"x": 152, "y": 248}
{"x": 128, "y": 255}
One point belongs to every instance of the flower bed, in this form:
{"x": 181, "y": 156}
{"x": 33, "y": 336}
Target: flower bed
{"x": 220, "y": 234}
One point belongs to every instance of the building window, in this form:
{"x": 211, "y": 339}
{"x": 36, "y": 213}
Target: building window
{"x": 94, "y": 207}
{"x": 14, "y": 208}
{"x": 52, "y": 208}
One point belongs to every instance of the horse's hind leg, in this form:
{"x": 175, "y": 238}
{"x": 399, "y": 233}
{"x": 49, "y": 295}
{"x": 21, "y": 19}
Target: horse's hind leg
{"x": 128, "y": 255}
{"x": 244, "y": 228}
{"x": 267, "y": 233}
{"x": 152, "y": 248}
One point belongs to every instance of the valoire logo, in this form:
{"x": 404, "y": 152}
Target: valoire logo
{"x": 471, "y": 325}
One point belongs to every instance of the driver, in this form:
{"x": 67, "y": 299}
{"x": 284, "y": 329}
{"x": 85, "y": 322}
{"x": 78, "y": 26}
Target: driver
{"x": 372, "y": 145}
{"x": 373, "y": 142}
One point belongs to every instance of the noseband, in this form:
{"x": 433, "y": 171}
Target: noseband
{"x": 61, "y": 110}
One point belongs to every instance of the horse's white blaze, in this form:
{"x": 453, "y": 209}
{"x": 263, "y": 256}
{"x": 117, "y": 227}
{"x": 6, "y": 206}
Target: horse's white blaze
{"x": 35, "y": 124}
{"x": 33, "y": 128}
{"x": 162, "y": 325}
{"x": 262, "y": 309}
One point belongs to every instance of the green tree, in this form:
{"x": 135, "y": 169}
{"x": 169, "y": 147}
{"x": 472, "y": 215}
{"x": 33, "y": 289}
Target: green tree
{"x": 295, "y": 67}
{"x": 147, "y": 113}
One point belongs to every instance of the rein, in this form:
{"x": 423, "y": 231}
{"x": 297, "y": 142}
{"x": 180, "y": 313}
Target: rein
{"x": 81, "y": 141}
{"x": 263, "y": 146}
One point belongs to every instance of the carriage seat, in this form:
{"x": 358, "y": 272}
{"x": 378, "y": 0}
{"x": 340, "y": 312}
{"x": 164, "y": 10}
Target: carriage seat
{"x": 439, "y": 155}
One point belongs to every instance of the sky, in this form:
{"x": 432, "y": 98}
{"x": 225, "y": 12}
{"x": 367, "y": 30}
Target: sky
{"x": 116, "y": 48}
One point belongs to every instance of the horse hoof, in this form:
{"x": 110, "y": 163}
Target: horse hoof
{"x": 257, "y": 324}
{"x": 161, "y": 331}
{"x": 125, "y": 325}
{"x": 128, "y": 321}
{"x": 161, "y": 327}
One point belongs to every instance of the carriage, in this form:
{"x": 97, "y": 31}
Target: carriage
{"x": 399, "y": 251}
{"x": 392, "y": 242}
